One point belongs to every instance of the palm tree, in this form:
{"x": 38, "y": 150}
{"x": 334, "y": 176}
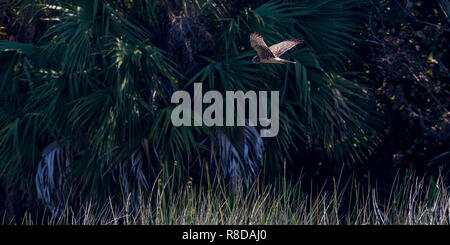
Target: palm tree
{"x": 87, "y": 106}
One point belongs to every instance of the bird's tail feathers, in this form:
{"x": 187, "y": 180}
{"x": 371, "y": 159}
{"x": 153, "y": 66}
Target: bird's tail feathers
{"x": 285, "y": 61}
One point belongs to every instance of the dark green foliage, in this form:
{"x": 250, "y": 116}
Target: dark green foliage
{"x": 408, "y": 63}
{"x": 94, "y": 88}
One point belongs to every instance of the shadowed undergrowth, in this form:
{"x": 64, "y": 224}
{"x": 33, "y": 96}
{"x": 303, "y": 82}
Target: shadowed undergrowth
{"x": 410, "y": 201}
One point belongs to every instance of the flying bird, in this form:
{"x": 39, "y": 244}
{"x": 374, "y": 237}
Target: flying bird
{"x": 271, "y": 54}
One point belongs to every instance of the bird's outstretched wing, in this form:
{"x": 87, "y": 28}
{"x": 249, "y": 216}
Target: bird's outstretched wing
{"x": 280, "y": 48}
{"x": 258, "y": 44}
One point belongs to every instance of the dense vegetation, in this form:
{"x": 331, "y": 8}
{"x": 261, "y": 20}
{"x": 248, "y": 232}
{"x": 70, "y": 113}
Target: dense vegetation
{"x": 412, "y": 202}
{"x": 408, "y": 64}
{"x": 85, "y": 91}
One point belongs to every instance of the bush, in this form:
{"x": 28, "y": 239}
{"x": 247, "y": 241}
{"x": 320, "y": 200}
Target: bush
{"x": 408, "y": 63}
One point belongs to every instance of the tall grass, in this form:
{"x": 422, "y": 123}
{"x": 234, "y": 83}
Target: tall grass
{"x": 411, "y": 201}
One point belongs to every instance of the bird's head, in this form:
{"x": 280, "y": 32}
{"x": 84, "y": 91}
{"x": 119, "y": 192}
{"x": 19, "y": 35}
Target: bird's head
{"x": 256, "y": 59}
